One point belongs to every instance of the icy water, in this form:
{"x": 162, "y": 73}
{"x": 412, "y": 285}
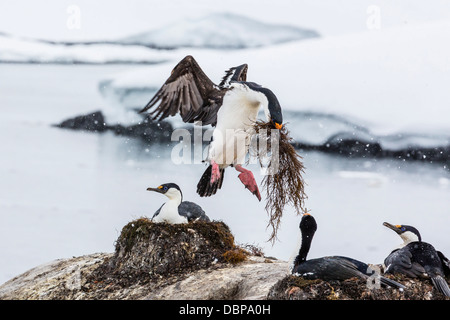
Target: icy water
{"x": 66, "y": 193}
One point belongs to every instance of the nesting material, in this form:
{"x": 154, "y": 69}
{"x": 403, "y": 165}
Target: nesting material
{"x": 283, "y": 181}
{"x": 147, "y": 250}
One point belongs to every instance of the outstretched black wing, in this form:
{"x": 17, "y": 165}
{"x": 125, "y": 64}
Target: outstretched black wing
{"x": 234, "y": 74}
{"x": 187, "y": 91}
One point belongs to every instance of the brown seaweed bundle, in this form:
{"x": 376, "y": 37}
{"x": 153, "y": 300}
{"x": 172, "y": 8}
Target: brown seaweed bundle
{"x": 283, "y": 181}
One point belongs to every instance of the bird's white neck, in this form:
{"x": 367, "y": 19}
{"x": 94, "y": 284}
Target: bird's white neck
{"x": 407, "y": 238}
{"x": 174, "y": 196}
{"x": 250, "y": 98}
{"x": 169, "y": 211}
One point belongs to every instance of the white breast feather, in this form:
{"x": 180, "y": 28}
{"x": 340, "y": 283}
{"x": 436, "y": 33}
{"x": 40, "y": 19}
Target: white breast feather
{"x": 235, "y": 120}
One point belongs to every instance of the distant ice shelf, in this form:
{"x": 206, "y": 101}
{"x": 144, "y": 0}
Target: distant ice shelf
{"x": 215, "y": 31}
{"x": 220, "y": 31}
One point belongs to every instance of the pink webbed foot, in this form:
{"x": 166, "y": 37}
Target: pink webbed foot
{"x": 247, "y": 178}
{"x": 215, "y": 172}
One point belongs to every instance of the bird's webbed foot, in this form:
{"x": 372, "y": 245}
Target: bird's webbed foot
{"x": 215, "y": 172}
{"x": 247, "y": 178}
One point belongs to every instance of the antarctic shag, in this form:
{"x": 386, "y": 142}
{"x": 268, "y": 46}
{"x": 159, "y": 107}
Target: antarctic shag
{"x": 176, "y": 210}
{"x": 416, "y": 258}
{"x": 231, "y": 107}
{"x": 331, "y": 267}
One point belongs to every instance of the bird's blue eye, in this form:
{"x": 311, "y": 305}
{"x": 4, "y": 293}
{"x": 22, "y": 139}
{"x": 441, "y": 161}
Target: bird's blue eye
{"x": 403, "y": 229}
{"x": 165, "y": 188}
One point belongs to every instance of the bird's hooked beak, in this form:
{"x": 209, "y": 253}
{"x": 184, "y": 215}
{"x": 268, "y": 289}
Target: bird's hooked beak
{"x": 396, "y": 228}
{"x": 159, "y": 189}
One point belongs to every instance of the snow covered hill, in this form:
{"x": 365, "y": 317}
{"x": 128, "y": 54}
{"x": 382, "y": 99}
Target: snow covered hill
{"x": 220, "y": 31}
{"x": 24, "y": 50}
{"x": 216, "y": 31}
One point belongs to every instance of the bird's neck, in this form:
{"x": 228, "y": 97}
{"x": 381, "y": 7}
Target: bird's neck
{"x": 169, "y": 210}
{"x": 408, "y": 237}
{"x": 245, "y": 96}
{"x": 174, "y": 200}
{"x": 304, "y": 249}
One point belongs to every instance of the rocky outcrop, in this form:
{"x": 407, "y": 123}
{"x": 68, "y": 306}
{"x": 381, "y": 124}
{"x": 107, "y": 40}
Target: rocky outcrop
{"x": 156, "y": 261}
{"x": 59, "y": 279}
{"x": 194, "y": 261}
{"x": 147, "y": 130}
{"x": 70, "y": 279}
{"x": 94, "y": 121}
{"x": 341, "y": 144}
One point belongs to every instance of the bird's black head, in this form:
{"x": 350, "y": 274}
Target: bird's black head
{"x": 407, "y": 233}
{"x": 276, "y": 116}
{"x": 165, "y": 188}
{"x": 308, "y": 225}
{"x": 274, "y": 107}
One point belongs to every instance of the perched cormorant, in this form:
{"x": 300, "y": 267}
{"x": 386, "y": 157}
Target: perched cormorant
{"x": 330, "y": 267}
{"x": 416, "y": 258}
{"x": 176, "y": 210}
{"x": 232, "y": 107}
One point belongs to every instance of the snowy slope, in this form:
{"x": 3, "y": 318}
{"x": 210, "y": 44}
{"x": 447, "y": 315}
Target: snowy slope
{"x": 110, "y": 20}
{"x": 220, "y": 31}
{"x": 23, "y": 50}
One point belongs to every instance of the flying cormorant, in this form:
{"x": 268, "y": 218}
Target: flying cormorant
{"x": 231, "y": 107}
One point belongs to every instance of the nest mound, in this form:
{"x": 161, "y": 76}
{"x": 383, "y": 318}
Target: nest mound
{"x": 147, "y": 251}
{"x": 297, "y": 288}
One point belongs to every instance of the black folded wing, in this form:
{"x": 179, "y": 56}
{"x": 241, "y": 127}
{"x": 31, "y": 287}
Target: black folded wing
{"x": 445, "y": 263}
{"x": 401, "y": 261}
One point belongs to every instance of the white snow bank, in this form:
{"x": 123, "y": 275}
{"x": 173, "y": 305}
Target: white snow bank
{"x": 222, "y": 31}
{"x": 20, "y": 50}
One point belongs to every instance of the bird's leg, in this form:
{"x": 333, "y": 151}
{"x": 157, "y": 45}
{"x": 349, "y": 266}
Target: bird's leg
{"x": 247, "y": 178}
{"x": 215, "y": 172}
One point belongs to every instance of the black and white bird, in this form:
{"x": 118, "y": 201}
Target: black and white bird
{"x": 231, "y": 107}
{"x": 176, "y": 210}
{"x": 331, "y": 267}
{"x": 416, "y": 258}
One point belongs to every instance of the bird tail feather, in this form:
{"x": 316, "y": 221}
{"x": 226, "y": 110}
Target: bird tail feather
{"x": 391, "y": 283}
{"x": 441, "y": 285}
{"x": 204, "y": 187}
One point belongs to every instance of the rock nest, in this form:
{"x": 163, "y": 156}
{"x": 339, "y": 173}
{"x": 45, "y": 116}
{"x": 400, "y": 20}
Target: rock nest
{"x": 296, "y": 288}
{"x": 147, "y": 251}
